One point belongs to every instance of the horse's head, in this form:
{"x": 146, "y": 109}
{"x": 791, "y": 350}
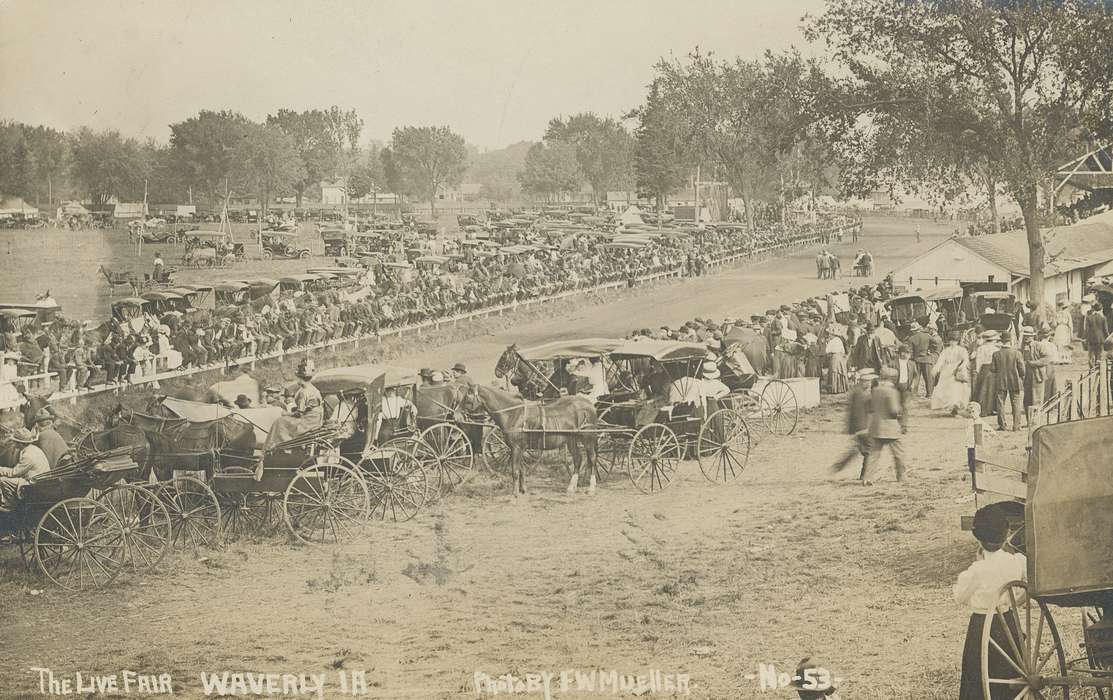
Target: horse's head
{"x": 508, "y": 361}
{"x": 115, "y": 417}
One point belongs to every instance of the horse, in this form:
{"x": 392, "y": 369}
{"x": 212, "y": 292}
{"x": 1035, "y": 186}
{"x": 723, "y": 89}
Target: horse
{"x": 570, "y": 418}
{"x": 531, "y": 382}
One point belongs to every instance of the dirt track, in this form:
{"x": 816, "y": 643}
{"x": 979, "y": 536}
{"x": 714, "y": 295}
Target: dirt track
{"x": 708, "y": 580}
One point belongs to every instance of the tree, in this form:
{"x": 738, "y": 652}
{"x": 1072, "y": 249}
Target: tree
{"x": 50, "y": 156}
{"x": 497, "y": 171}
{"x": 604, "y": 149}
{"x": 106, "y": 165}
{"x": 17, "y": 164}
{"x": 325, "y": 140}
{"x": 267, "y": 163}
{"x": 428, "y": 158}
{"x": 203, "y": 150}
{"x": 550, "y": 171}
{"x": 659, "y": 158}
{"x": 1030, "y": 81}
{"x": 392, "y": 174}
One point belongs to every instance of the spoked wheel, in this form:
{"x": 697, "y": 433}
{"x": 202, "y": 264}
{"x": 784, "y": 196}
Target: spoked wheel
{"x": 496, "y": 453}
{"x": 610, "y": 454}
{"x": 79, "y": 544}
{"x": 779, "y": 407}
{"x": 245, "y": 513}
{"x": 146, "y": 521}
{"x": 396, "y": 483}
{"x": 194, "y": 511}
{"x": 325, "y": 502}
{"x": 1094, "y": 656}
{"x": 723, "y": 445}
{"x": 445, "y": 452}
{"x": 1017, "y": 646}
{"x": 26, "y": 540}
{"x": 653, "y": 458}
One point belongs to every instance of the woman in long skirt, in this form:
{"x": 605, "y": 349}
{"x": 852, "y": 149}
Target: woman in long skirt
{"x": 985, "y": 380}
{"x": 977, "y": 588}
{"x": 837, "y": 379}
{"x": 1064, "y": 333}
{"x": 951, "y": 374}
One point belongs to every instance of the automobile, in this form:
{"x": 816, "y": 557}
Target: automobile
{"x": 282, "y": 244}
{"x": 336, "y": 240}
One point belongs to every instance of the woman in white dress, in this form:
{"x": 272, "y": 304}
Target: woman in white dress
{"x": 952, "y": 378}
{"x": 1064, "y": 333}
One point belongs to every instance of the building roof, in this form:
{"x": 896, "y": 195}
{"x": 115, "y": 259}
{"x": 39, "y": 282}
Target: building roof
{"x": 1086, "y": 243}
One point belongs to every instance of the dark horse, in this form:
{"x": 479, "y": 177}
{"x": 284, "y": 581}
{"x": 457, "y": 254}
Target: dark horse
{"x": 531, "y": 381}
{"x": 571, "y": 420}
{"x": 176, "y": 444}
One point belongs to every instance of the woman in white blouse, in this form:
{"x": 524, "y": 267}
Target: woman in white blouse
{"x": 977, "y": 588}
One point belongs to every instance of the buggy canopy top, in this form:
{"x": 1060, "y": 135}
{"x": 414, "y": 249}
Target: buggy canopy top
{"x": 565, "y": 349}
{"x": 359, "y": 378}
{"x": 660, "y": 350}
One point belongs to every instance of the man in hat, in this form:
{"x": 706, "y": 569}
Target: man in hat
{"x": 925, "y": 351}
{"x": 1039, "y": 363}
{"x": 1008, "y": 370}
{"x": 858, "y": 421}
{"x": 711, "y": 386}
{"x": 1095, "y": 330}
{"x": 30, "y": 463}
{"x": 885, "y": 426}
{"x": 905, "y": 382}
{"x": 426, "y": 376}
{"x": 460, "y": 374}
{"x": 48, "y": 439}
{"x": 977, "y": 588}
{"x": 272, "y": 396}
{"x": 394, "y": 407}
{"x": 437, "y": 378}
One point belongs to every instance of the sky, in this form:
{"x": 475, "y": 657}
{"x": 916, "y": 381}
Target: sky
{"x": 495, "y": 71}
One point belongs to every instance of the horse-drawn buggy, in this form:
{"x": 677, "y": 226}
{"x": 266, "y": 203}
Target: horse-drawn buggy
{"x": 863, "y": 264}
{"x": 82, "y": 523}
{"x": 653, "y": 410}
{"x": 1067, "y": 536}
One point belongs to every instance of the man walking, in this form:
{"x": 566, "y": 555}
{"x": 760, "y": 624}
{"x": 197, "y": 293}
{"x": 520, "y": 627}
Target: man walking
{"x": 1095, "y": 330}
{"x": 885, "y": 427}
{"x": 858, "y": 422}
{"x": 905, "y": 382}
{"x": 1008, "y": 368}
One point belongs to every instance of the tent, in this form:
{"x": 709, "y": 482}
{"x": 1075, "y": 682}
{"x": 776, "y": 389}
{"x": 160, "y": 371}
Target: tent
{"x": 72, "y": 209}
{"x": 15, "y": 206}
{"x": 631, "y": 216}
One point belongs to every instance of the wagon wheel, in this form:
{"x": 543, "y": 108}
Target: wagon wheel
{"x": 303, "y": 254}
{"x": 172, "y": 239}
{"x": 610, "y": 454}
{"x": 779, "y": 407}
{"x": 79, "y": 544}
{"x": 496, "y": 452}
{"x": 398, "y": 485}
{"x": 723, "y": 445}
{"x": 267, "y": 255}
{"x": 25, "y": 538}
{"x": 194, "y": 511}
{"x": 245, "y": 514}
{"x": 445, "y": 452}
{"x": 1022, "y": 647}
{"x": 653, "y": 458}
{"x": 1090, "y": 616}
{"x": 147, "y": 531}
{"x": 325, "y": 502}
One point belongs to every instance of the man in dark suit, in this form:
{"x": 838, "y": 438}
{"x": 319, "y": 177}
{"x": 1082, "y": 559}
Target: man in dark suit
{"x": 905, "y": 382}
{"x": 1094, "y": 331}
{"x": 1008, "y": 368}
{"x": 885, "y": 426}
{"x": 858, "y": 422}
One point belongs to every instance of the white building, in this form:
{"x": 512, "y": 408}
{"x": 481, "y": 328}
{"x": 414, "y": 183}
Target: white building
{"x": 1074, "y": 255}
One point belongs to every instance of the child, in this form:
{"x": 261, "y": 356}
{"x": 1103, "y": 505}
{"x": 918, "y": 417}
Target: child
{"x": 977, "y": 588}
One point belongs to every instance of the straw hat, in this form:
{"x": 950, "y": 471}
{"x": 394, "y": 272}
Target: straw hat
{"x": 710, "y": 370}
{"x": 1027, "y": 331}
{"x": 990, "y": 335}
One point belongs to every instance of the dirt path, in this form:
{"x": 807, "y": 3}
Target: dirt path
{"x": 707, "y": 580}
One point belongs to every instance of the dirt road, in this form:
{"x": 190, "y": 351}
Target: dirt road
{"x": 706, "y": 580}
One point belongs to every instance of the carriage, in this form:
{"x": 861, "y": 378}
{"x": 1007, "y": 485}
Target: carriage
{"x": 1067, "y": 521}
{"x": 337, "y": 241}
{"x": 81, "y": 524}
{"x": 863, "y": 265}
{"x": 638, "y": 428}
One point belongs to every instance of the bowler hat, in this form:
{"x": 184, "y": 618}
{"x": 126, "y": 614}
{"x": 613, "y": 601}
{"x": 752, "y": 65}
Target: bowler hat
{"x": 460, "y": 367}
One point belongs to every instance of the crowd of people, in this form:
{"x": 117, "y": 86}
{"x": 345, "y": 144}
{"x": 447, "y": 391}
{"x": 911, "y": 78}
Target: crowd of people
{"x": 133, "y": 348}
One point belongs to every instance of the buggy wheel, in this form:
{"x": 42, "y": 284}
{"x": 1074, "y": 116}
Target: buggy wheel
{"x": 325, "y": 502}
{"x": 26, "y": 540}
{"x": 397, "y": 484}
{"x": 723, "y": 446}
{"x": 496, "y": 451}
{"x": 445, "y": 452}
{"x": 1090, "y": 616}
{"x": 304, "y": 254}
{"x": 267, "y": 255}
{"x": 194, "y": 511}
{"x": 654, "y": 456}
{"x": 1017, "y": 648}
{"x": 79, "y": 544}
{"x": 245, "y": 514}
{"x": 147, "y": 531}
{"x": 172, "y": 239}
{"x": 610, "y": 454}
{"x": 779, "y": 407}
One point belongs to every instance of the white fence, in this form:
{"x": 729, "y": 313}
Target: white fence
{"x": 43, "y": 382}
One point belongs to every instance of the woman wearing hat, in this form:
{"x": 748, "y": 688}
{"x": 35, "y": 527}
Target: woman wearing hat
{"x": 977, "y": 588}
{"x": 1064, "y": 332}
{"x": 30, "y": 463}
{"x": 985, "y": 381}
{"x": 951, "y": 375}
{"x": 307, "y": 412}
